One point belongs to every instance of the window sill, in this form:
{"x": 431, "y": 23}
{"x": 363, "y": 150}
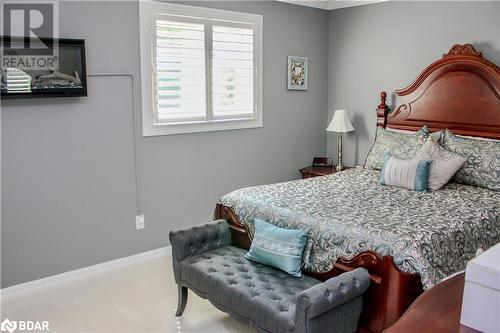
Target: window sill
{"x": 223, "y": 125}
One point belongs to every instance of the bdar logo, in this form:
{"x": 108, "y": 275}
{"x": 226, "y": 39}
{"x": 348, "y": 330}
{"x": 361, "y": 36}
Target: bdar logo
{"x": 8, "y": 325}
{"x": 24, "y": 325}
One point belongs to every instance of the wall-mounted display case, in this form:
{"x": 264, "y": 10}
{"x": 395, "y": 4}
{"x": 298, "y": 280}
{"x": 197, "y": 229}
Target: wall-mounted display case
{"x": 30, "y": 69}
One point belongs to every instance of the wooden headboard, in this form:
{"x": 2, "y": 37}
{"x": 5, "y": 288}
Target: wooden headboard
{"x": 460, "y": 91}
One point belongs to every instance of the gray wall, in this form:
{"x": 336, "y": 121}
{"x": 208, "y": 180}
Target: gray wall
{"x": 385, "y": 46}
{"x": 68, "y": 188}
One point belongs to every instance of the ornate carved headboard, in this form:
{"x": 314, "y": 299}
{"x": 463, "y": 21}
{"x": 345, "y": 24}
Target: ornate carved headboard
{"x": 461, "y": 92}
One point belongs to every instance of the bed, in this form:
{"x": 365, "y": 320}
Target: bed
{"x": 407, "y": 240}
{"x": 433, "y": 234}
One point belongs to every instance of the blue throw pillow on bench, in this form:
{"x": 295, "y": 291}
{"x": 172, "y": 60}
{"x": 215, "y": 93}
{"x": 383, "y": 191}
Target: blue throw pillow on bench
{"x": 278, "y": 247}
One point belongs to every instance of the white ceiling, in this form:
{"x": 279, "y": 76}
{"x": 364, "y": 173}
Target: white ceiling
{"x": 331, "y": 4}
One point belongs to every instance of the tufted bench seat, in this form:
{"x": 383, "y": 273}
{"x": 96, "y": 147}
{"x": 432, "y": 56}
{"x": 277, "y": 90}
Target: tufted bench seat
{"x": 264, "y": 297}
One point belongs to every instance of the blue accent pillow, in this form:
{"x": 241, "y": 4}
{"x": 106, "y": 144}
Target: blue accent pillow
{"x": 278, "y": 247}
{"x": 413, "y": 174}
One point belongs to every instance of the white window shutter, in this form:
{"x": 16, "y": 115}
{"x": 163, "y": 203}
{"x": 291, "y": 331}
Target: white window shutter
{"x": 201, "y": 69}
{"x": 180, "y": 72}
{"x": 233, "y": 86}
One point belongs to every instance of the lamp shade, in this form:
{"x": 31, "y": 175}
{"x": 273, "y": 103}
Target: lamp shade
{"x": 340, "y": 122}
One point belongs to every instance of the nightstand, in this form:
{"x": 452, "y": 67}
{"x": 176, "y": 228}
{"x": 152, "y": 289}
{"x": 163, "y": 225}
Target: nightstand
{"x": 436, "y": 310}
{"x": 311, "y": 171}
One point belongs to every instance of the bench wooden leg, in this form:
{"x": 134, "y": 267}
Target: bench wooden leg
{"x": 181, "y": 300}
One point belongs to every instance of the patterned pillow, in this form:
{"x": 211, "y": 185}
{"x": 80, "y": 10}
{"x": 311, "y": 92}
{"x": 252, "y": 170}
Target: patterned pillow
{"x": 413, "y": 174}
{"x": 437, "y": 136}
{"x": 477, "y": 138}
{"x": 400, "y": 130}
{"x": 278, "y": 247}
{"x": 444, "y": 163}
{"x": 483, "y": 160}
{"x": 401, "y": 145}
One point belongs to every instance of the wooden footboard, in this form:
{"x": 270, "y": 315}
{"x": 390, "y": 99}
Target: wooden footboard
{"x": 389, "y": 295}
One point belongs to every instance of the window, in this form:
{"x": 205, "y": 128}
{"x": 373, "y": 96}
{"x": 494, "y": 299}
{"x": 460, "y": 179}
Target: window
{"x": 201, "y": 69}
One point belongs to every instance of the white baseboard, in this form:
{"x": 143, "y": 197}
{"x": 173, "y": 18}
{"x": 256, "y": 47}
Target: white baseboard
{"x": 89, "y": 271}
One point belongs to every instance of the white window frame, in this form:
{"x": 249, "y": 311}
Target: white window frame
{"x": 149, "y": 12}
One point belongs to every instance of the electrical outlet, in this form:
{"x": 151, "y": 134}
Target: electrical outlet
{"x": 139, "y": 222}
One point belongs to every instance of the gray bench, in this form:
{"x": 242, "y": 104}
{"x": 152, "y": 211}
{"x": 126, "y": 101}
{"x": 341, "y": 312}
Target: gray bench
{"x": 261, "y": 296}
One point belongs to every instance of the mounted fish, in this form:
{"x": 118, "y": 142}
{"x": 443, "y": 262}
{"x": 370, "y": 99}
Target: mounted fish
{"x": 57, "y": 80}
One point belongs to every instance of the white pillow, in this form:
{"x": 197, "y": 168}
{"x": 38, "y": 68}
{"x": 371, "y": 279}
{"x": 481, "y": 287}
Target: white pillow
{"x": 444, "y": 163}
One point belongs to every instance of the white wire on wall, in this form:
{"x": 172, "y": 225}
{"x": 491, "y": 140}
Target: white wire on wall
{"x": 138, "y": 185}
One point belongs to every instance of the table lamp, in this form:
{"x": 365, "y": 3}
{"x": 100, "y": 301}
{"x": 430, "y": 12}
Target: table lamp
{"x": 340, "y": 124}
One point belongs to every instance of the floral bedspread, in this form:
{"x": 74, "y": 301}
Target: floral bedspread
{"x": 433, "y": 234}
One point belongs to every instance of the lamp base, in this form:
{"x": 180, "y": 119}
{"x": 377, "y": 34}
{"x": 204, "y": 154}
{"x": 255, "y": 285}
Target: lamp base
{"x": 339, "y": 166}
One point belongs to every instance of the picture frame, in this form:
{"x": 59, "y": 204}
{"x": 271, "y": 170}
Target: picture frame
{"x": 297, "y": 71}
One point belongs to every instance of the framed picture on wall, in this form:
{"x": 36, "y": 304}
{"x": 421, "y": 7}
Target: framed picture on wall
{"x": 297, "y": 73}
